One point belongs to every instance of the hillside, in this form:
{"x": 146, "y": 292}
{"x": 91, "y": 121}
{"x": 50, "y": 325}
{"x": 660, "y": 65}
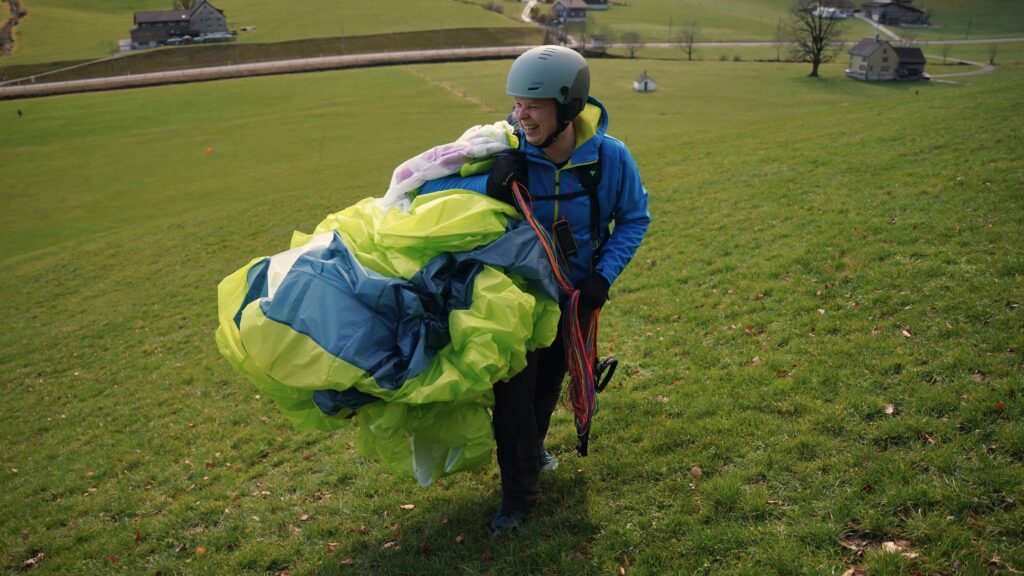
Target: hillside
{"x": 62, "y": 30}
{"x": 821, "y": 250}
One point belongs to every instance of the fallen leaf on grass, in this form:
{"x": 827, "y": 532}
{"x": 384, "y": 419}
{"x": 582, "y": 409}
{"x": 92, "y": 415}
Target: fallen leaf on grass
{"x": 696, "y": 472}
{"x": 113, "y": 559}
{"x": 876, "y": 331}
{"x": 926, "y": 438}
{"x": 283, "y": 573}
{"x": 905, "y": 332}
{"x": 200, "y": 550}
{"x": 891, "y": 547}
{"x": 890, "y": 409}
{"x": 1000, "y": 405}
{"x": 487, "y": 556}
{"x": 407, "y": 506}
{"x": 389, "y": 544}
{"x": 89, "y": 491}
{"x": 781, "y": 373}
{"x": 33, "y": 561}
{"x": 304, "y": 518}
{"x": 753, "y": 361}
{"x": 331, "y": 547}
{"x": 978, "y": 377}
{"x": 348, "y": 561}
{"x": 460, "y": 538}
{"x": 307, "y": 456}
{"x": 622, "y": 571}
{"x": 857, "y": 570}
{"x": 775, "y": 502}
{"x": 138, "y": 536}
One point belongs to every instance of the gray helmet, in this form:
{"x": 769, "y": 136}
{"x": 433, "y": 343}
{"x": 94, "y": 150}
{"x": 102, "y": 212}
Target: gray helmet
{"x": 552, "y": 72}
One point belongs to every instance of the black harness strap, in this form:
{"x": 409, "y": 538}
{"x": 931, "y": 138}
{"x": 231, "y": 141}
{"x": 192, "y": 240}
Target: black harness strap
{"x": 589, "y": 176}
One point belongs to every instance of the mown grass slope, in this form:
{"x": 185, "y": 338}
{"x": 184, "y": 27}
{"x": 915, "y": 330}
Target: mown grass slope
{"x": 61, "y": 30}
{"x": 821, "y": 249}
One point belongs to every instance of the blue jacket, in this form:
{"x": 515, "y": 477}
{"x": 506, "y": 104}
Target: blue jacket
{"x": 621, "y": 195}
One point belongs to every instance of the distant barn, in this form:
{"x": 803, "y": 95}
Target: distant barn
{"x": 895, "y": 12}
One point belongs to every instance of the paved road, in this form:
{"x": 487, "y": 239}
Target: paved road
{"x": 9, "y": 90}
{"x": 259, "y": 69}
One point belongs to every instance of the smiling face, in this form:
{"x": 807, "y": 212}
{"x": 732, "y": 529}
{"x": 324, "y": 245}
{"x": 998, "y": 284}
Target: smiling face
{"x": 537, "y": 118}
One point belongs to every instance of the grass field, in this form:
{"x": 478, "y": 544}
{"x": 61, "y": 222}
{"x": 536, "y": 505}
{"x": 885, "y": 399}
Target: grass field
{"x": 953, "y": 19}
{"x": 821, "y": 249}
{"x": 66, "y": 30}
{"x": 58, "y": 30}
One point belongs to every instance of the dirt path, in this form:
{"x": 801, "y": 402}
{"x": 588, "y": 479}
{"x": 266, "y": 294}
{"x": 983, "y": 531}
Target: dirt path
{"x": 7, "y": 30}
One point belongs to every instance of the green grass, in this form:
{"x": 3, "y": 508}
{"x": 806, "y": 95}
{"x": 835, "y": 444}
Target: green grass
{"x": 1007, "y": 54}
{"x": 223, "y": 54}
{"x": 952, "y": 19}
{"x": 57, "y": 30}
{"x": 799, "y": 222}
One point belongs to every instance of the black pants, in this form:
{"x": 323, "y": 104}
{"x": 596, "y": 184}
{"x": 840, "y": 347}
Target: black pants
{"x": 522, "y": 414}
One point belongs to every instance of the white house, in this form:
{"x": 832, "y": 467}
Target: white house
{"x": 644, "y": 83}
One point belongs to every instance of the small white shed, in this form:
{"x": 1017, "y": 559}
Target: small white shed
{"x": 644, "y": 83}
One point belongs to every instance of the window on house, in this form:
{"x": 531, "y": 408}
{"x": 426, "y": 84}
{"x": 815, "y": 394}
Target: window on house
{"x": 885, "y": 59}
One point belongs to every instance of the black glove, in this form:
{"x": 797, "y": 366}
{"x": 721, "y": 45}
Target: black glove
{"x": 593, "y": 294}
{"x": 508, "y": 166}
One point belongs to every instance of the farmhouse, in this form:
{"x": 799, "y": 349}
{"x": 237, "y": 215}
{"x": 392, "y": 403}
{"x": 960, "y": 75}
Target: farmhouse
{"x": 895, "y": 12}
{"x": 563, "y": 11}
{"x": 644, "y": 83}
{"x": 172, "y": 26}
{"x": 873, "y": 59}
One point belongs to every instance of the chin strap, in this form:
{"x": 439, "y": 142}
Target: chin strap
{"x": 554, "y": 135}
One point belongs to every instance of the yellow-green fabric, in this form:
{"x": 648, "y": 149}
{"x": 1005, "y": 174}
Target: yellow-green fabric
{"x": 436, "y": 422}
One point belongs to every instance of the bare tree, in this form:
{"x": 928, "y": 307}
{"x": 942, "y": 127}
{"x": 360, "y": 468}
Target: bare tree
{"x": 687, "y": 37}
{"x": 993, "y": 49}
{"x": 632, "y": 42}
{"x": 945, "y": 52}
{"x": 184, "y": 4}
{"x": 815, "y": 37}
{"x": 779, "y": 40}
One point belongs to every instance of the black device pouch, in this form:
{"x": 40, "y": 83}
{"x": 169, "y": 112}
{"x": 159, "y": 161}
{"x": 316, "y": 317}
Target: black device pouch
{"x": 564, "y": 238}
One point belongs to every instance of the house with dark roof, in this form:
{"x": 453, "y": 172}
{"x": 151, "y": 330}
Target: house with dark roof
{"x": 895, "y": 13}
{"x": 174, "y": 26}
{"x": 873, "y": 59}
{"x": 563, "y": 11}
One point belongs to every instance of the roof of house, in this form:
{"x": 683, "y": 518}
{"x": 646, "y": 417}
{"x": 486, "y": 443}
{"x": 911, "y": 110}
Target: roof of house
{"x": 573, "y": 4}
{"x": 910, "y": 55}
{"x": 841, "y": 4}
{"x": 643, "y": 77}
{"x": 867, "y": 46}
{"x": 172, "y": 15}
{"x": 163, "y": 16}
{"x": 903, "y": 5}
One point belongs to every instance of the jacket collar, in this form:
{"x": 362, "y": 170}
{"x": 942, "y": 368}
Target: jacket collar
{"x": 589, "y": 126}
